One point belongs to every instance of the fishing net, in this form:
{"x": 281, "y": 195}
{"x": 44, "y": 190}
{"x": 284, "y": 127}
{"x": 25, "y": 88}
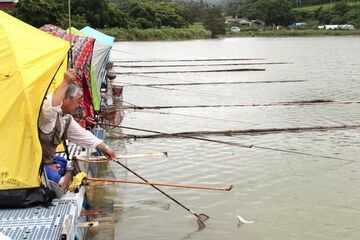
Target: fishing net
{"x": 110, "y": 116}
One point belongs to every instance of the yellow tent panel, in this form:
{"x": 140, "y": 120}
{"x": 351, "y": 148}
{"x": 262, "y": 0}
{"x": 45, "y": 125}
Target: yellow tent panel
{"x": 29, "y": 60}
{"x": 58, "y": 77}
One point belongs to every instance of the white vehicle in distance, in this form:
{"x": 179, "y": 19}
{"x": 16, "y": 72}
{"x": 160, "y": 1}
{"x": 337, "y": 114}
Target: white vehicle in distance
{"x": 235, "y": 29}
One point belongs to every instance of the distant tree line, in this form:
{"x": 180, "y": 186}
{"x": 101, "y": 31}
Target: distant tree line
{"x": 284, "y": 12}
{"x": 140, "y": 14}
{"x": 305, "y": 3}
{"x": 272, "y": 12}
{"x": 341, "y": 13}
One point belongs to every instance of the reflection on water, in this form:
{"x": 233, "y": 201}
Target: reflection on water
{"x": 288, "y": 196}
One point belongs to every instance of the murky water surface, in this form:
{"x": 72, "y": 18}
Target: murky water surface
{"x": 288, "y": 196}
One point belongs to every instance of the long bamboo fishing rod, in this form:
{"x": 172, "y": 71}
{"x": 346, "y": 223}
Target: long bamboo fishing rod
{"x": 225, "y": 189}
{"x": 70, "y": 50}
{"x": 239, "y": 144}
{"x": 208, "y": 83}
{"x": 201, "y": 65}
{"x": 177, "y": 60}
{"x": 192, "y": 92}
{"x": 187, "y": 60}
{"x": 293, "y": 103}
{"x": 248, "y": 131}
{"x": 212, "y": 95}
{"x": 200, "y": 217}
{"x": 195, "y": 71}
{"x": 190, "y": 81}
{"x": 231, "y": 132}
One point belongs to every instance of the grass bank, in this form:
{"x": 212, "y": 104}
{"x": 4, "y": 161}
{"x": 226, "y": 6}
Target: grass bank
{"x": 294, "y": 33}
{"x": 134, "y": 34}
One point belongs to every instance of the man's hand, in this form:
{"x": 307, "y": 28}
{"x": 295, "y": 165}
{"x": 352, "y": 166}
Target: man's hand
{"x": 69, "y": 76}
{"x": 109, "y": 153}
{"x": 106, "y": 150}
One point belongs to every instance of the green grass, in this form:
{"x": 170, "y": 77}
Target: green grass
{"x": 195, "y": 31}
{"x": 197, "y": 25}
{"x": 315, "y": 7}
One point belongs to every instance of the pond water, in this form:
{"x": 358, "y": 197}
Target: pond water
{"x": 287, "y": 195}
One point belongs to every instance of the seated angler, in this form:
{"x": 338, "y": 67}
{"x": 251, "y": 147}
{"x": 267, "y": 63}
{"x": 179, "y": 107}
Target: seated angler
{"x": 56, "y": 124}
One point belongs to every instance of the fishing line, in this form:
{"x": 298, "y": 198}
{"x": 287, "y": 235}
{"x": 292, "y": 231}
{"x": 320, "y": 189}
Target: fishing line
{"x": 136, "y": 54}
{"x": 185, "y": 115}
{"x": 188, "y": 91}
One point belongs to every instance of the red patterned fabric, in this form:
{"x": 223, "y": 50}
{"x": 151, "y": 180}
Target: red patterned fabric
{"x": 80, "y": 60}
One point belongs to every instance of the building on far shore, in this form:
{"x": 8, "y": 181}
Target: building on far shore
{"x": 244, "y": 22}
{"x": 8, "y": 4}
{"x": 335, "y": 27}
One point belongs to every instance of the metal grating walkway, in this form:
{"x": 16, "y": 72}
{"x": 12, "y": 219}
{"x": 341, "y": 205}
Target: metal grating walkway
{"x": 37, "y": 223}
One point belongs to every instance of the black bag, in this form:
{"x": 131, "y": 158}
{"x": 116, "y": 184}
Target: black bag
{"x": 22, "y": 198}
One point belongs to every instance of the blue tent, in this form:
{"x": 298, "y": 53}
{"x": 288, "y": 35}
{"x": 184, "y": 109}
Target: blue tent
{"x": 99, "y": 36}
{"x": 101, "y": 54}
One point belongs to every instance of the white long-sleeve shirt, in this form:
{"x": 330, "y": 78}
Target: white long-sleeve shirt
{"x": 75, "y": 132}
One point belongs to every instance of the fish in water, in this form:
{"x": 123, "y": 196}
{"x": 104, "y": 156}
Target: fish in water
{"x": 243, "y": 220}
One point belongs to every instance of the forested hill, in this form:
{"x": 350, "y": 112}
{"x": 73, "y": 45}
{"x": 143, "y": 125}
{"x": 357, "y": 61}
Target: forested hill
{"x": 286, "y": 12}
{"x": 125, "y": 15}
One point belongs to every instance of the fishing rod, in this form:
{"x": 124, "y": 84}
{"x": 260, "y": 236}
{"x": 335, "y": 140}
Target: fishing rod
{"x": 174, "y": 60}
{"x": 209, "y": 95}
{"x": 236, "y": 144}
{"x": 200, "y": 65}
{"x": 250, "y": 131}
{"x": 208, "y": 83}
{"x": 293, "y": 103}
{"x": 185, "y": 91}
{"x": 70, "y": 50}
{"x": 224, "y": 189}
{"x": 179, "y": 90}
{"x": 195, "y": 71}
{"x": 204, "y": 94}
{"x": 187, "y": 60}
{"x": 200, "y": 217}
{"x": 246, "y": 131}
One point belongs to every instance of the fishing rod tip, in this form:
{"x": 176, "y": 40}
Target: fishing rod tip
{"x": 231, "y": 187}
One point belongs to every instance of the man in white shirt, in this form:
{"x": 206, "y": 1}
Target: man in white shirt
{"x": 56, "y": 124}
